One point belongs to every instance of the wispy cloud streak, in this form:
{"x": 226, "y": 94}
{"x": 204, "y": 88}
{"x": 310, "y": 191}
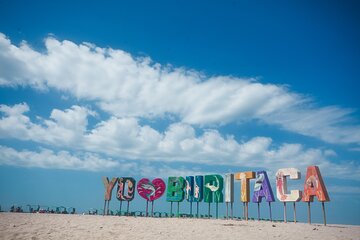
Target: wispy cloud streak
{"x": 128, "y": 86}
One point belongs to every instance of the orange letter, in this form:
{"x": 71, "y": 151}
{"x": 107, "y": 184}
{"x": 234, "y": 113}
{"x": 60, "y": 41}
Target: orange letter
{"x": 314, "y": 186}
{"x": 245, "y": 177}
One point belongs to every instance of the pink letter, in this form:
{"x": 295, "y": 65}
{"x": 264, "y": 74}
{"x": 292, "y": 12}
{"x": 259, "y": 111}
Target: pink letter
{"x": 281, "y": 185}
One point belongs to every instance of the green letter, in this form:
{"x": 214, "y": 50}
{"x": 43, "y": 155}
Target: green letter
{"x": 213, "y": 186}
{"x": 175, "y": 189}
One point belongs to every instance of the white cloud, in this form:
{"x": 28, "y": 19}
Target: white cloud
{"x": 356, "y": 149}
{"x": 326, "y": 123}
{"x": 63, "y": 127}
{"x": 15, "y": 120}
{"x": 127, "y": 87}
{"x": 46, "y": 158}
{"x": 165, "y": 171}
{"x": 126, "y": 139}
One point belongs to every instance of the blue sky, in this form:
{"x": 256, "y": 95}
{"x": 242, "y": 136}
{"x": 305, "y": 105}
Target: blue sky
{"x": 142, "y": 89}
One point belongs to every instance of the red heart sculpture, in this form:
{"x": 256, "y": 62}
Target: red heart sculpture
{"x": 151, "y": 190}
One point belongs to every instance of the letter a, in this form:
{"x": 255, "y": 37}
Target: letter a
{"x": 314, "y": 186}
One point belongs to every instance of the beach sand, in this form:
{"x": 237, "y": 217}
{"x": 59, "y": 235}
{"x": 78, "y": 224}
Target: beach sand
{"x": 54, "y": 226}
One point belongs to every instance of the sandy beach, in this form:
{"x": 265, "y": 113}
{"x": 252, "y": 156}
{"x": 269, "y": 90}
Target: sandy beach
{"x": 54, "y": 226}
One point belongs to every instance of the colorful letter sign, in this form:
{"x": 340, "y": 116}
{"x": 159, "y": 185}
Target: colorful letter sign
{"x": 229, "y": 188}
{"x": 189, "y": 188}
{"x": 109, "y": 186}
{"x": 127, "y": 194}
{"x": 262, "y": 188}
{"x": 210, "y": 189}
{"x": 213, "y": 186}
{"x": 281, "y": 185}
{"x": 314, "y": 186}
{"x": 151, "y": 190}
{"x": 175, "y": 189}
{"x": 245, "y": 177}
{"x": 198, "y": 188}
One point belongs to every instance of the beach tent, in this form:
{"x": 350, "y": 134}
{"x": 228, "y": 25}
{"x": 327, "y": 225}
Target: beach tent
{"x": 54, "y": 209}
{"x": 43, "y": 209}
{"x": 33, "y": 208}
{"x": 93, "y": 211}
{"x": 71, "y": 210}
{"x": 63, "y": 210}
{"x": 15, "y": 208}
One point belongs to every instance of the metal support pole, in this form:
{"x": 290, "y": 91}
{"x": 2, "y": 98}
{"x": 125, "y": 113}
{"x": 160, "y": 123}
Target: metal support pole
{"x": 209, "y": 210}
{"x": 270, "y": 211}
{"x": 197, "y": 209}
{"x": 244, "y": 210}
{"x": 309, "y": 213}
{"x": 152, "y": 208}
{"x": 108, "y": 206}
{"x": 217, "y": 210}
{"x": 191, "y": 209}
{"x": 247, "y": 211}
{"x": 171, "y": 208}
{"x": 178, "y": 209}
{"x": 104, "y": 208}
{"x": 227, "y": 210}
{"x": 324, "y": 215}
{"x": 120, "y": 208}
